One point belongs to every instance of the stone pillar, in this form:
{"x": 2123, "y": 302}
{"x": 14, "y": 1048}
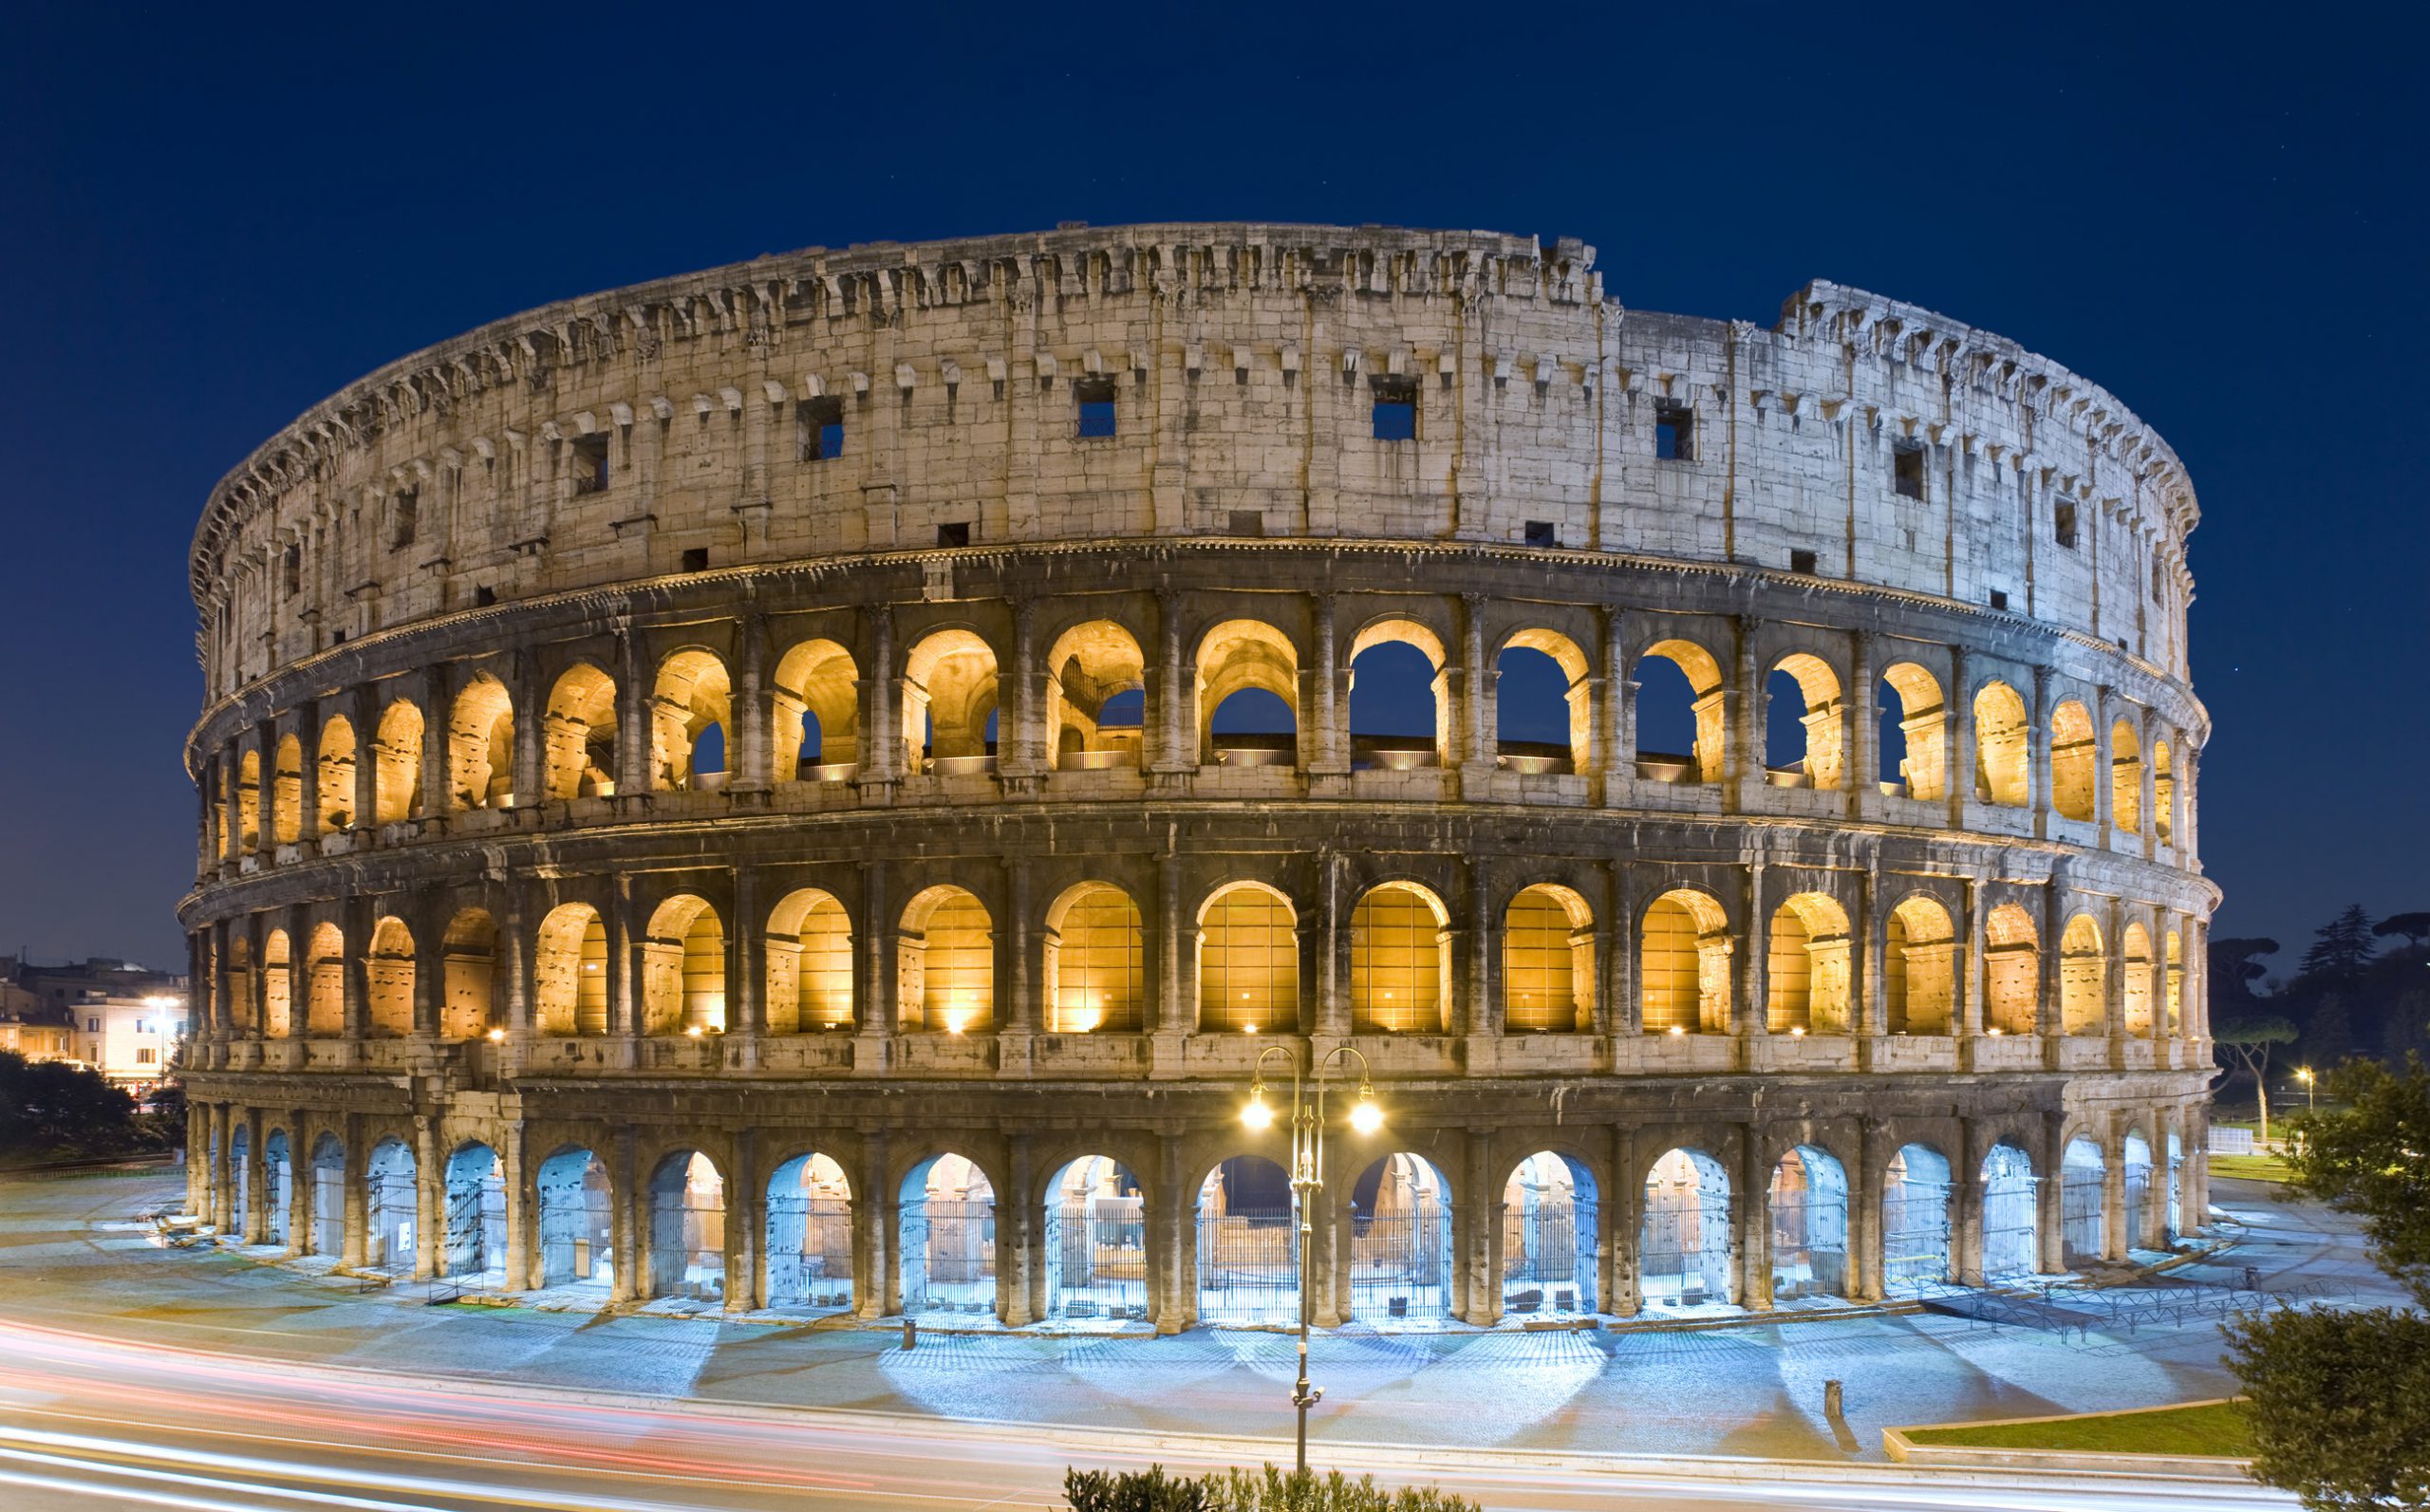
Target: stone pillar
{"x": 531, "y": 724}
{"x": 1868, "y": 1191}
{"x": 636, "y": 727}
{"x": 749, "y": 747}
{"x": 430, "y": 1201}
{"x": 1019, "y": 1279}
{"x": 746, "y": 1227}
{"x": 625, "y": 932}
{"x": 1869, "y": 927}
{"x": 228, "y": 792}
{"x": 2047, "y": 1021}
{"x": 2114, "y": 1234}
{"x": 1962, "y": 749}
{"x": 874, "y": 991}
{"x": 625, "y": 1227}
{"x": 220, "y": 1203}
{"x": 1019, "y": 960}
{"x": 1324, "y": 702}
{"x": 1475, "y": 1281}
{"x": 1615, "y": 714}
{"x": 2038, "y": 785}
{"x": 1966, "y": 1203}
{"x": 1967, "y": 978}
{"x": 876, "y": 1278}
{"x": 2104, "y": 810}
{"x": 1622, "y": 1290}
{"x": 1167, "y": 1010}
{"x": 1021, "y": 750}
{"x": 1754, "y": 964}
{"x": 1479, "y": 722}
{"x": 1742, "y": 774}
{"x": 355, "y": 1243}
{"x": 307, "y": 774}
{"x": 2113, "y": 980}
{"x": 430, "y": 981}
{"x": 522, "y": 1213}
{"x": 1330, "y": 977}
{"x": 1172, "y": 730}
{"x": 1751, "y": 1220}
{"x": 1477, "y": 1011}
{"x": 1624, "y": 1004}
{"x": 299, "y": 1185}
{"x": 1864, "y": 771}
{"x": 437, "y": 731}
{"x": 881, "y": 732}
{"x": 265, "y": 792}
{"x": 357, "y": 911}
{"x": 2048, "y": 1215}
{"x": 1174, "y": 1282}
{"x": 198, "y": 1159}
{"x": 362, "y": 712}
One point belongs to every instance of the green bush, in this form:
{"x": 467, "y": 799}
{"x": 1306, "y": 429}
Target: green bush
{"x": 1265, "y": 1490}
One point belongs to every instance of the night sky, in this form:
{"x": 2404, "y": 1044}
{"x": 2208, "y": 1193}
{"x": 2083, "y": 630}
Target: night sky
{"x": 207, "y": 225}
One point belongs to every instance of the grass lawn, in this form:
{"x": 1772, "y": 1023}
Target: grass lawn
{"x": 2249, "y": 1168}
{"x": 2218, "y": 1430}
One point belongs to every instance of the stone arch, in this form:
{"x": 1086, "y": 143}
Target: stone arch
{"x": 1548, "y": 960}
{"x": 392, "y": 1201}
{"x": 278, "y": 986}
{"x": 1248, "y": 961}
{"x": 578, "y": 735}
{"x": 481, "y": 746}
{"x": 1088, "y": 668}
{"x": 577, "y": 1221}
{"x": 1916, "y": 1226}
{"x": 249, "y": 807}
{"x": 570, "y": 972}
{"x": 1810, "y": 687}
{"x": 2163, "y": 795}
{"x": 948, "y": 700}
{"x": 691, "y": 717}
{"x": 1096, "y": 1241}
{"x": 1808, "y": 953}
{"x": 325, "y": 1211}
{"x": 2083, "y": 1007}
{"x": 1919, "y": 967}
{"x": 325, "y": 983}
{"x": 287, "y": 790}
{"x": 1808, "y": 1205}
{"x": 1922, "y": 760}
{"x": 1683, "y": 958}
{"x": 2134, "y": 959}
{"x": 1549, "y": 1237}
{"x": 242, "y": 1011}
{"x": 1390, "y": 673}
{"x": 1401, "y": 1242}
{"x": 2011, "y": 1213}
{"x": 2001, "y": 746}
{"x": 2135, "y": 1158}
{"x": 945, "y": 1235}
{"x": 2126, "y": 777}
{"x": 1094, "y": 959}
{"x": 1702, "y": 761}
{"x": 686, "y": 1237}
{"x": 2174, "y": 1006}
{"x": 810, "y": 1233}
{"x": 278, "y": 1177}
{"x": 1245, "y": 656}
{"x": 389, "y": 979}
{"x": 946, "y": 950}
{"x": 816, "y": 723}
{"x": 2072, "y": 752}
{"x": 1400, "y": 961}
{"x": 1685, "y": 1243}
{"x": 1248, "y": 1243}
{"x": 2011, "y": 971}
{"x": 472, "y": 1242}
{"x": 468, "y": 984}
{"x": 396, "y": 775}
{"x": 809, "y": 965}
{"x": 240, "y": 1178}
{"x": 333, "y": 776}
{"x": 683, "y": 969}
{"x": 1575, "y": 719}
{"x": 2082, "y": 1193}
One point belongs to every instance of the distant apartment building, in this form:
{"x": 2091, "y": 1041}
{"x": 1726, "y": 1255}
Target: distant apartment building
{"x": 118, "y": 1018}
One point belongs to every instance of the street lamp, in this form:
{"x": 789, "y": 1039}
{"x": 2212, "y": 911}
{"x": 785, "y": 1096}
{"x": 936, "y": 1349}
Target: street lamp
{"x": 2311, "y": 1089}
{"x": 1308, "y": 1175}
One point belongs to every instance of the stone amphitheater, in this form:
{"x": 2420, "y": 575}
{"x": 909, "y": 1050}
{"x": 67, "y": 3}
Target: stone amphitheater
{"x": 810, "y": 786}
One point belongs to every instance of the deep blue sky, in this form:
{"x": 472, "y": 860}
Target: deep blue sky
{"x": 206, "y": 224}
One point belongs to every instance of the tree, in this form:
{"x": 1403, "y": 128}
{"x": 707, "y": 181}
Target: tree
{"x": 2233, "y": 973}
{"x": 2371, "y": 1157}
{"x": 2339, "y": 1404}
{"x": 2341, "y": 947}
{"x": 2414, "y": 928}
{"x": 54, "y": 1107}
{"x": 2251, "y": 1040}
{"x": 2330, "y": 1037}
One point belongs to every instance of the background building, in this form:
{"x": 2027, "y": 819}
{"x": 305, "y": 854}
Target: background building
{"x": 122, "y": 1018}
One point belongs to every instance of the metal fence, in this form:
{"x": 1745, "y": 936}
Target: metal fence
{"x": 1400, "y": 1265}
{"x": 1684, "y": 1247}
{"x": 476, "y": 1235}
{"x": 1544, "y": 1267}
{"x": 577, "y": 1234}
{"x": 688, "y": 1244}
{"x": 388, "y": 1237}
{"x": 2080, "y": 1217}
{"x": 1097, "y": 1248}
{"x": 1915, "y": 1232}
{"x": 948, "y": 1257}
{"x": 1249, "y": 1267}
{"x": 1809, "y": 1243}
{"x": 809, "y": 1251}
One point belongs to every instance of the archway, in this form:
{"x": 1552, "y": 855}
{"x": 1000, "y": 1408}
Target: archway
{"x": 810, "y": 1233}
{"x": 1248, "y": 695}
{"x": 468, "y": 961}
{"x": 809, "y": 965}
{"x": 683, "y": 969}
{"x": 249, "y": 807}
{"x": 2137, "y": 1187}
{"x": 1248, "y": 961}
{"x": 1097, "y": 1241}
{"x": 1809, "y": 1212}
{"x": 2125, "y": 778}
{"x": 1805, "y": 744}
{"x": 577, "y": 1222}
{"x": 2011, "y": 971}
{"x": 1913, "y": 733}
{"x": 1400, "y": 1241}
{"x": 687, "y": 1228}
{"x": 481, "y": 746}
{"x": 278, "y": 1174}
{"x": 2083, "y": 1007}
{"x": 949, "y": 704}
{"x": 1093, "y": 672}
{"x": 475, "y": 1242}
{"x": 396, "y": 775}
{"x": 1399, "y": 713}
{"x": 2001, "y": 747}
{"x": 334, "y": 778}
{"x": 1548, "y": 960}
{"x": 240, "y": 1178}
{"x": 389, "y": 1207}
{"x": 1914, "y": 1218}
{"x": 1543, "y": 709}
{"x": 946, "y": 1236}
{"x": 947, "y": 949}
{"x": 1684, "y": 1245}
{"x": 1094, "y": 961}
{"x": 1684, "y": 964}
{"x": 2072, "y": 754}
{"x": 1248, "y": 1244}
{"x": 325, "y": 983}
{"x": 1918, "y": 968}
{"x": 389, "y": 979}
{"x": 570, "y": 972}
{"x": 691, "y": 709}
{"x": 1399, "y": 960}
{"x": 278, "y": 986}
{"x": 2163, "y": 796}
{"x": 327, "y": 1210}
{"x": 2011, "y": 1214}
{"x": 2134, "y": 986}
{"x": 1807, "y": 952}
{"x": 578, "y": 735}
{"x": 816, "y": 719}
{"x": 1548, "y": 1237}
{"x": 2083, "y": 1177}
{"x": 1678, "y": 714}
{"x": 287, "y": 790}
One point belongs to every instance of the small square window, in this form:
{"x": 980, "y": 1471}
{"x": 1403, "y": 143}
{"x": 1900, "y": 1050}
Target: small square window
{"x": 1248, "y": 522}
{"x": 819, "y": 429}
{"x": 1907, "y": 470}
{"x": 1542, "y": 533}
{"x": 590, "y": 464}
{"x": 1095, "y": 396}
{"x": 1999, "y": 598}
{"x": 1800, "y": 562}
{"x": 2065, "y": 521}
{"x": 483, "y": 596}
{"x": 1675, "y": 432}
{"x": 954, "y": 533}
{"x": 1395, "y": 413}
{"x": 696, "y": 559}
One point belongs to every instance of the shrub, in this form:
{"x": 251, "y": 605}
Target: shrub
{"x": 1264, "y": 1490}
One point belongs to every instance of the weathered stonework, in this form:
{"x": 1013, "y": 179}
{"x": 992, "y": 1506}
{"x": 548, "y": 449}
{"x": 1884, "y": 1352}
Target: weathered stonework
{"x": 465, "y": 625}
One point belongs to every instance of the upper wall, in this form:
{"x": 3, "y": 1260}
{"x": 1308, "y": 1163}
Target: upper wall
{"x": 678, "y": 424}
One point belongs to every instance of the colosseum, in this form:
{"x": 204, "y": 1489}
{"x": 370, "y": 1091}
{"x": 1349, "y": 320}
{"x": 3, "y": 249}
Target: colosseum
{"x": 810, "y": 786}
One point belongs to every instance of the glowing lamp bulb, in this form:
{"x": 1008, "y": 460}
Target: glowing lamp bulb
{"x": 1798, "y": 1033}
{"x": 1676, "y": 1029}
{"x": 694, "y": 1032}
{"x": 1366, "y": 1118}
{"x": 496, "y": 1035}
{"x": 1255, "y": 1113}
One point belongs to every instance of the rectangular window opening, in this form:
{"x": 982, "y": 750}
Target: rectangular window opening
{"x": 1801, "y": 562}
{"x": 1999, "y": 598}
{"x": 483, "y": 596}
{"x": 1248, "y": 522}
{"x": 1542, "y": 533}
{"x": 1675, "y": 432}
{"x": 2064, "y": 520}
{"x": 954, "y": 533}
{"x": 1907, "y": 470}
{"x": 590, "y": 464}
{"x": 1095, "y": 396}
{"x": 1395, "y": 412}
{"x": 819, "y": 429}
{"x": 404, "y": 518}
{"x": 696, "y": 559}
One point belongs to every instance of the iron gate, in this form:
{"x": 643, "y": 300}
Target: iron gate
{"x": 809, "y": 1251}
{"x": 948, "y": 1257}
{"x": 2011, "y": 1226}
{"x": 1684, "y": 1254}
{"x": 388, "y": 1242}
{"x": 476, "y": 1227}
{"x": 687, "y": 1244}
{"x": 1249, "y": 1267}
{"x": 1098, "y": 1246}
{"x": 1809, "y": 1243}
{"x": 1544, "y": 1270}
{"x": 1400, "y": 1264}
{"x": 1915, "y": 1232}
{"x": 2080, "y": 1194}
{"x": 577, "y": 1238}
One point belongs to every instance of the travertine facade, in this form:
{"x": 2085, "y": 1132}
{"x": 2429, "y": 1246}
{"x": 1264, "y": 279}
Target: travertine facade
{"x": 674, "y": 733}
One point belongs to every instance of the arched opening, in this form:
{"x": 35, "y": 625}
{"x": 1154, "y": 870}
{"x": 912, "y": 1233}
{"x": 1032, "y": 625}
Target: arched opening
{"x": 683, "y": 969}
{"x": 2125, "y": 778}
{"x": 1097, "y": 1241}
{"x": 1544, "y": 707}
{"x": 1914, "y": 1218}
{"x": 816, "y": 713}
{"x": 2134, "y": 944}
{"x": 2011, "y": 1214}
{"x": 468, "y": 961}
{"x": 809, "y": 965}
{"x": 1919, "y": 969}
{"x": 1683, "y": 955}
{"x": 1094, "y": 961}
{"x": 287, "y": 790}
{"x": 2173, "y": 1007}
{"x": 810, "y": 1233}
{"x": 578, "y": 735}
{"x": 1683, "y": 1248}
{"x": 2082, "y": 1175}
{"x": 687, "y": 1228}
{"x": 481, "y": 746}
{"x": 389, "y": 1206}
{"x": 949, "y": 704}
{"x": 2083, "y": 978}
{"x": 947, "y": 948}
{"x": 1091, "y": 719}
{"x": 2163, "y": 795}
{"x": 240, "y": 1178}
{"x": 1548, "y": 960}
{"x": 1401, "y": 946}
{"x": 577, "y": 1222}
{"x": 1548, "y": 1237}
{"x": 1807, "y": 955}
{"x": 1809, "y": 1211}
{"x": 278, "y": 1176}
{"x": 278, "y": 986}
{"x": 2011, "y": 971}
{"x": 388, "y": 978}
{"x": 475, "y": 1242}
{"x": 325, "y": 983}
{"x": 2072, "y": 752}
{"x": 1678, "y": 714}
{"x": 2137, "y": 1187}
{"x": 1805, "y": 743}
{"x": 2175, "y": 1188}
{"x": 1248, "y": 1244}
{"x": 1248, "y": 695}
{"x": 396, "y": 773}
{"x": 243, "y": 1012}
{"x": 249, "y": 803}
{"x": 334, "y": 778}
{"x": 1399, "y": 713}
{"x": 691, "y": 709}
{"x": 1249, "y": 962}
{"x": 1913, "y": 733}
{"x": 325, "y": 1217}
{"x": 2002, "y": 747}
{"x": 570, "y": 972}
{"x": 947, "y": 1237}
{"x": 1400, "y": 1241}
